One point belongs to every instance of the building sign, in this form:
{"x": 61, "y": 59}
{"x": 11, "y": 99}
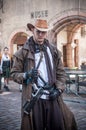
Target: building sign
{"x": 39, "y": 14}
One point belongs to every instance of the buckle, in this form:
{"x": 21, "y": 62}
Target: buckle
{"x": 45, "y": 97}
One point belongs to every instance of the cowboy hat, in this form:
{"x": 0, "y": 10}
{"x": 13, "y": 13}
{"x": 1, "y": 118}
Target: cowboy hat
{"x": 40, "y": 25}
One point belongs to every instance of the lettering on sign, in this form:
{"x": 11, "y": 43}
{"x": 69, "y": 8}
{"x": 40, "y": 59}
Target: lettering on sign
{"x": 39, "y": 14}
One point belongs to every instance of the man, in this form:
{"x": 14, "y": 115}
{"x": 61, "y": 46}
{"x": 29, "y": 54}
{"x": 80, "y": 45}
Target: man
{"x": 5, "y": 65}
{"x": 39, "y": 63}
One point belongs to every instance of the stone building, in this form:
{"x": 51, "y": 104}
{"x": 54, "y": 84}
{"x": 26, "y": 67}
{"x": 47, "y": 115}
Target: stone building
{"x": 68, "y": 18}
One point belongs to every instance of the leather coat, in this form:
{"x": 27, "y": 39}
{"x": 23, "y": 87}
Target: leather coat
{"x": 23, "y": 60}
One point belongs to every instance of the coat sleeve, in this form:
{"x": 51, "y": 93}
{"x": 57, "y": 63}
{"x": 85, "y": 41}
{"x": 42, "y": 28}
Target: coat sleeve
{"x": 60, "y": 72}
{"x": 17, "y": 67}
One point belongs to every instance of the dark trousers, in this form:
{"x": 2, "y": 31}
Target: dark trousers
{"x": 47, "y": 115}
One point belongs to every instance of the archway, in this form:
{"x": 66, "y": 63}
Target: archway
{"x": 17, "y": 41}
{"x": 70, "y": 22}
{"x": 17, "y": 38}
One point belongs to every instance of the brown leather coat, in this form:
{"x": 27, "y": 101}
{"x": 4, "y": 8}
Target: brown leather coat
{"x": 23, "y": 60}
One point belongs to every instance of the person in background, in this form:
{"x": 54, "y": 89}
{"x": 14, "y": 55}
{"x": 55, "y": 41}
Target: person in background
{"x": 38, "y": 64}
{"x": 5, "y": 65}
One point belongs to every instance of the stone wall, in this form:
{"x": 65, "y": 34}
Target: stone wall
{"x": 17, "y": 13}
{"x": 59, "y": 13}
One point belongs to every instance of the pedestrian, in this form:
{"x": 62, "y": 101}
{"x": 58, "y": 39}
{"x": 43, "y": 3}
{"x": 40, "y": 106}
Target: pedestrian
{"x": 5, "y": 65}
{"x": 39, "y": 62}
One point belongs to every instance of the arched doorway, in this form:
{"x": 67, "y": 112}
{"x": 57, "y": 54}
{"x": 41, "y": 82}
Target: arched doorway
{"x": 17, "y": 41}
{"x": 70, "y": 21}
{"x": 17, "y": 38}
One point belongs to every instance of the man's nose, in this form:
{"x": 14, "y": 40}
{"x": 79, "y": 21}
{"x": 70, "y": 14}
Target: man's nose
{"x": 40, "y": 34}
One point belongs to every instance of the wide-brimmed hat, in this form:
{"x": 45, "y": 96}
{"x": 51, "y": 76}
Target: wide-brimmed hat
{"x": 40, "y": 24}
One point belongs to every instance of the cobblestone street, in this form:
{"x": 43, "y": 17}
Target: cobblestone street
{"x": 10, "y": 108}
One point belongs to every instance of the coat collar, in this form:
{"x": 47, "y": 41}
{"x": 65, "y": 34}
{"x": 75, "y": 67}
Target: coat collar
{"x": 29, "y": 45}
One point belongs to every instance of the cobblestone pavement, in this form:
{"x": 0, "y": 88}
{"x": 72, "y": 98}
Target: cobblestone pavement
{"x": 10, "y": 108}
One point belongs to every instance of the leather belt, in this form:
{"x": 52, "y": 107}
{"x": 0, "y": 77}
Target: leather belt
{"x": 45, "y": 95}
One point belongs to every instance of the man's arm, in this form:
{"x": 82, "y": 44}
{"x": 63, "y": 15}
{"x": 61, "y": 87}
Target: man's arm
{"x": 17, "y": 68}
{"x": 60, "y": 72}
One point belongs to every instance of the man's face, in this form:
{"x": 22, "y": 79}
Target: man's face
{"x": 39, "y": 36}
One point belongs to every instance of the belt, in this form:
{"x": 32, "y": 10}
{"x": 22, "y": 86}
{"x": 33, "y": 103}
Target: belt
{"x": 45, "y": 95}
{"x": 51, "y": 96}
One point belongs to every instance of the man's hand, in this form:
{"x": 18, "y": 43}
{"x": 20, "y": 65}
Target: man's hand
{"x": 55, "y": 94}
{"x": 33, "y": 74}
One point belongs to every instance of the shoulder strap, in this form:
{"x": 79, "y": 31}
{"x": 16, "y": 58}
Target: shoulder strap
{"x": 41, "y": 56}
